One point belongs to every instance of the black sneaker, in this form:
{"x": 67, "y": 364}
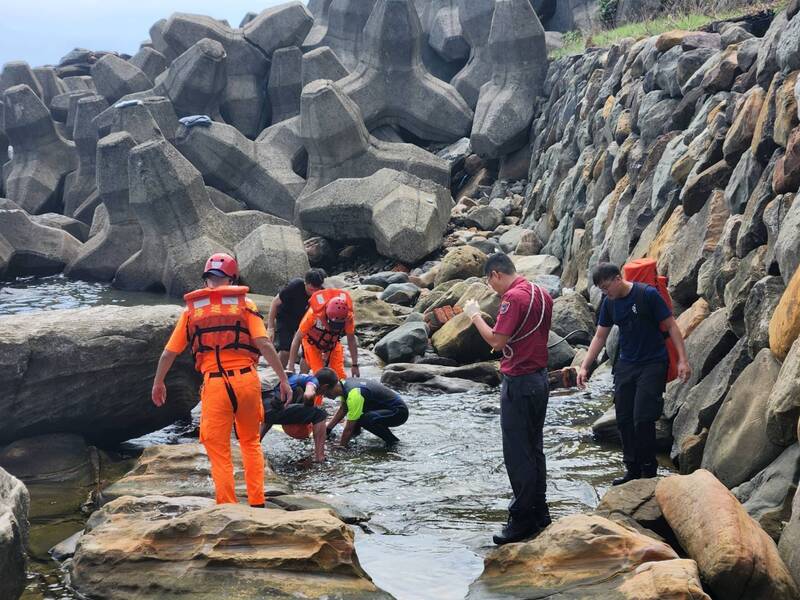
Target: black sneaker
{"x": 516, "y": 531}
{"x": 629, "y": 476}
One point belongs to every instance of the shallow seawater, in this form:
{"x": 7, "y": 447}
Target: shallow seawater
{"x": 434, "y": 501}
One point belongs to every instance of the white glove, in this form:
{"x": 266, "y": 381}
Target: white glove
{"x": 472, "y": 308}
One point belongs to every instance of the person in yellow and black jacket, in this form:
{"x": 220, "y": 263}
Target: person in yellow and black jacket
{"x": 227, "y": 337}
{"x": 365, "y": 403}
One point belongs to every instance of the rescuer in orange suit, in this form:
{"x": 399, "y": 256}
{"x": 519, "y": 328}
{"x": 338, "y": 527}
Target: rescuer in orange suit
{"x": 227, "y": 337}
{"x": 329, "y": 317}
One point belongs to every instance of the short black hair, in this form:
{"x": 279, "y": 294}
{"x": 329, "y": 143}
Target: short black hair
{"x": 316, "y": 277}
{"x": 501, "y": 263}
{"x": 327, "y": 377}
{"x": 605, "y": 272}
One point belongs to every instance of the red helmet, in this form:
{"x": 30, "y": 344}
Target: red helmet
{"x": 221, "y": 265}
{"x": 337, "y": 309}
{"x": 299, "y": 431}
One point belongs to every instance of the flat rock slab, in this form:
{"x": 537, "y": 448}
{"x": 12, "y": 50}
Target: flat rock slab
{"x": 184, "y": 470}
{"x": 201, "y": 551}
{"x": 580, "y": 556}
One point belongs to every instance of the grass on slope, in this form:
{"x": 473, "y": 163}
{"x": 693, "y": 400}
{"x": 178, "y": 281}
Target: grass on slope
{"x": 576, "y": 41}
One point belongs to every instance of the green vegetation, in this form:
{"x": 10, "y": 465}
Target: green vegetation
{"x": 577, "y": 41}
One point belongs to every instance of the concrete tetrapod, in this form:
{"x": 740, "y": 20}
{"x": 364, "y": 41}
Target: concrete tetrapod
{"x": 28, "y": 248}
{"x": 115, "y": 77}
{"x": 344, "y": 30}
{"x": 81, "y": 183}
{"x": 322, "y": 63}
{"x": 476, "y": 21}
{"x": 280, "y": 149}
{"x": 195, "y": 81}
{"x": 285, "y": 83}
{"x": 391, "y": 85}
{"x": 340, "y": 146}
{"x": 404, "y": 215}
{"x": 120, "y": 235}
{"x": 34, "y": 178}
{"x": 182, "y": 228}
{"x": 18, "y": 72}
{"x": 231, "y": 163}
{"x": 445, "y": 34}
{"x": 518, "y": 54}
{"x": 249, "y": 49}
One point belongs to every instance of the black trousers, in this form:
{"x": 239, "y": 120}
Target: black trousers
{"x": 523, "y": 404}
{"x": 377, "y": 422}
{"x": 638, "y": 401}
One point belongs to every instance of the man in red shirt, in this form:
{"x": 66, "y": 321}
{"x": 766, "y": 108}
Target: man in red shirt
{"x": 521, "y": 332}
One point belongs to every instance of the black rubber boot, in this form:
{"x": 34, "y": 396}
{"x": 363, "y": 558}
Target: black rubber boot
{"x": 517, "y": 530}
{"x": 629, "y": 476}
{"x": 542, "y": 515}
{"x": 649, "y": 470}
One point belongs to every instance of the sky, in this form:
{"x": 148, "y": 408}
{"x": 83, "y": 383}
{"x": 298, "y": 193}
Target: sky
{"x": 40, "y": 32}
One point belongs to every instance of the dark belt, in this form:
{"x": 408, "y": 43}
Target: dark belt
{"x": 230, "y": 373}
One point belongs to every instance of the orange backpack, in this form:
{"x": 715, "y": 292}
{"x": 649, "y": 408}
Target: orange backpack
{"x": 644, "y": 270}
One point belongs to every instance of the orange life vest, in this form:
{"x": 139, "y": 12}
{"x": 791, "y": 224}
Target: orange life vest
{"x": 644, "y": 270}
{"x": 217, "y": 320}
{"x": 322, "y": 334}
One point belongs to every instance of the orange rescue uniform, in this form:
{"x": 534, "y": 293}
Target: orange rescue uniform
{"x": 217, "y": 411}
{"x": 314, "y": 319}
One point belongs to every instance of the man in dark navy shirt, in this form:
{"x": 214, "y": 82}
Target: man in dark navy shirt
{"x": 640, "y": 371}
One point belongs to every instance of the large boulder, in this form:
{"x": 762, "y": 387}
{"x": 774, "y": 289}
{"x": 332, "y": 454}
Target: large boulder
{"x": 34, "y": 178}
{"x": 404, "y": 343}
{"x": 374, "y": 318}
{"x": 183, "y": 470}
{"x": 767, "y": 497}
{"x": 201, "y": 551}
{"x": 787, "y": 244}
{"x": 572, "y": 313}
{"x": 705, "y": 348}
{"x": 737, "y": 559}
{"x": 783, "y": 405}
{"x": 29, "y": 248}
{"x": 583, "y": 556}
{"x": 182, "y": 228}
{"x": 461, "y": 263}
{"x": 738, "y": 446}
{"x": 698, "y": 240}
{"x": 460, "y": 340}
{"x": 758, "y": 311}
{"x": 340, "y": 146}
{"x": 14, "y": 505}
{"x": 635, "y": 499}
{"x": 405, "y": 216}
{"x": 89, "y": 371}
{"x": 789, "y": 546}
{"x": 391, "y": 85}
{"x": 704, "y": 400}
{"x": 784, "y": 326}
{"x": 432, "y": 379}
{"x": 517, "y": 52}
